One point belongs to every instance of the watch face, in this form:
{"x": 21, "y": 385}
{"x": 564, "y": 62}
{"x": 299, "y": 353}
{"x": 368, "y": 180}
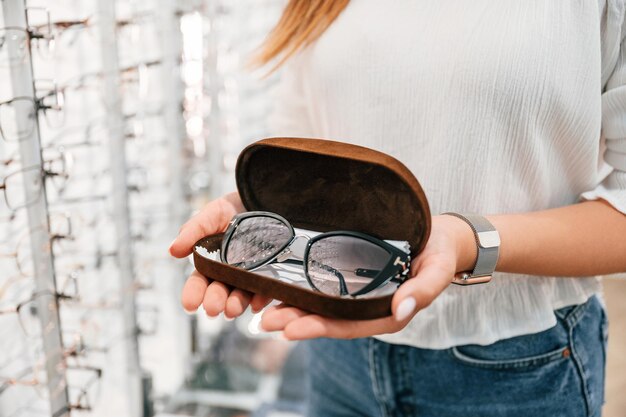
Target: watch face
{"x": 490, "y": 239}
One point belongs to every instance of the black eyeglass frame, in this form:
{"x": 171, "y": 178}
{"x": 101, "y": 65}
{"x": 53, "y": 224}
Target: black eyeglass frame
{"x": 395, "y": 270}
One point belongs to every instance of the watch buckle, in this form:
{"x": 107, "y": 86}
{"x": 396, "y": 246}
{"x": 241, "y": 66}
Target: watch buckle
{"x": 464, "y": 278}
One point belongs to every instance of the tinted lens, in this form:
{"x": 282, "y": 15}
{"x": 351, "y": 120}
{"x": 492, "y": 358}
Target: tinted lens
{"x": 256, "y": 240}
{"x": 339, "y": 265}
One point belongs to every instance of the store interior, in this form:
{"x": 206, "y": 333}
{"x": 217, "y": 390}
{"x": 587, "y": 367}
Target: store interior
{"x": 119, "y": 119}
{"x": 134, "y": 112}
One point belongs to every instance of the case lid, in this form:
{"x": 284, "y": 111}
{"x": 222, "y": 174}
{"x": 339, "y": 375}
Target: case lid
{"x": 325, "y": 185}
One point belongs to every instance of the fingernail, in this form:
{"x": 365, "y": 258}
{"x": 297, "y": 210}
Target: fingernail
{"x": 406, "y": 307}
{"x": 190, "y": 312}
{"x": 228, "y": 318}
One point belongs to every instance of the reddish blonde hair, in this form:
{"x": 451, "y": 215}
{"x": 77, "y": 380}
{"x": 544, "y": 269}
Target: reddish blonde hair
{"x": 302, "y": 22}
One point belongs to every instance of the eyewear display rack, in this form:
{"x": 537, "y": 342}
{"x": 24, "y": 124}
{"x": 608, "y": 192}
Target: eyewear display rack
{"x": 170, "y": 37}
{"x": 40, "y": 240}
{"x": 137, "y": 385}
{"x": 213, "y": 84}
{"x": 119, "y": 194}
{"x": 197, "y": 166}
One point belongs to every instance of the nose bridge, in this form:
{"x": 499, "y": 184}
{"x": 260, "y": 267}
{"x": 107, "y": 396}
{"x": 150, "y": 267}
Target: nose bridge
{"x": 298, "y": 246}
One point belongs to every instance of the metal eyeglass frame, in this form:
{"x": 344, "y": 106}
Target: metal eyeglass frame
{"x": 395, "y": 270}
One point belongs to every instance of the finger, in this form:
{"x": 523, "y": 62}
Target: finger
{"x": 215, "y": 298}
{"x": 193, "y": 291}
{"x": 278, "y": 306}
{"x": 259, "y": 302}
{"x": 313, "y": 326}
{"x": 210, "y": 220}
{"x": 415, "y": 265}
{"x": 276, "y": 318}
{"x": 237, "y": 302}
{"x": 419, "y": 292}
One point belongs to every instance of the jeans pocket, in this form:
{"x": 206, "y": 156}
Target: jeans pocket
{"x": 472, "y": 357}
{"x": 525, "y": 352}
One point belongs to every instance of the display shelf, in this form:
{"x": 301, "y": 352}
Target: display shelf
{"x": 30, "y": 153}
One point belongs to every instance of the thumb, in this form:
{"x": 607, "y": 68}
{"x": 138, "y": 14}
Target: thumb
{"x": 212, "y": 219}
{"x": 418, "y": 292}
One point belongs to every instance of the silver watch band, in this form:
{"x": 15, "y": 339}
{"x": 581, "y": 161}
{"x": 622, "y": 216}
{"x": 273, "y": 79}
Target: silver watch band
{"x": 488, "y": 246}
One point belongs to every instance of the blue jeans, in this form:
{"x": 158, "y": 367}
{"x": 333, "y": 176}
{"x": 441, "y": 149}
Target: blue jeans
{"x": 557, "y": 372}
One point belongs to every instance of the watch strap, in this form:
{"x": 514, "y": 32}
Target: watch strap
{"x": 488, "y": 254}
{"x": 487, "y": 244}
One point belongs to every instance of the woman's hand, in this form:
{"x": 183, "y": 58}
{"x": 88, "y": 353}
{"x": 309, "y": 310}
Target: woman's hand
{"x": 213, "y": 295}
{"x": 450, "y": 248}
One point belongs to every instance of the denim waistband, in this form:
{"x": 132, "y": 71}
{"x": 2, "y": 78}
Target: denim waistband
{"x": 572, "y": 314}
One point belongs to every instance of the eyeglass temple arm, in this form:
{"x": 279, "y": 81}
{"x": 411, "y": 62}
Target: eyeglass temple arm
{"x": 361, "y": 272}
{"x": 343, "y": 288}
{"x": 373, "y": 273}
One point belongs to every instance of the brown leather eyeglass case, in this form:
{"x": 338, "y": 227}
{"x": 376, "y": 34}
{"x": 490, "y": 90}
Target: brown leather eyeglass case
{"x": 324, "y": 185}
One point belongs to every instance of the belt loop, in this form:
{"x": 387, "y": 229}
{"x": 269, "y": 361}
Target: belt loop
{"x": 572, "y": 317}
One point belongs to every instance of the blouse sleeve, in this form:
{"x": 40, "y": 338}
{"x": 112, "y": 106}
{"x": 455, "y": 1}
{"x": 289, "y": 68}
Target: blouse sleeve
{"x": 289, "y": 113}
{"x": 613, "y": 187}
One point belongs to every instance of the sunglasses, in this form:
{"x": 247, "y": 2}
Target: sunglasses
{"x": 337, "y": 263}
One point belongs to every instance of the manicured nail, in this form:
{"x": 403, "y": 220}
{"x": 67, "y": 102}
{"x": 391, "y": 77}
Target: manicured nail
{"x": 190, "y": 312}
{"x": 406, "y": 307}
{"x": 228, "y": 318}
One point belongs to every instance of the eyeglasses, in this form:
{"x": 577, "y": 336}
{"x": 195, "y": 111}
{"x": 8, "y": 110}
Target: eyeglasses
{"x": 337, "y": 263}
{"x": 136, "y": 81}
{"x": 61, "y": 229}
{"x": 18, "y": 116}
{"x": 83, "y": 385}
{"x": 75, "y": 351}
{"x": 15, "y": 42}
{"x": 27, "y": 311}
{"x": 85, "y": 391}
{"x": 21, "y": 256}
{"x": 31, "y": 178}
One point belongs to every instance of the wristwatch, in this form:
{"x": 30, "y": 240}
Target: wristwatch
{"x": 488, "y": 245}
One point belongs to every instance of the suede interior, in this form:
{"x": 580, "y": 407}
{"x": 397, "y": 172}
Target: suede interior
{"x": 324, "y": 185}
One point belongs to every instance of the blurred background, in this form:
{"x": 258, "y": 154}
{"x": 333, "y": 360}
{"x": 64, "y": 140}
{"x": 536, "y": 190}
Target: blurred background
{"x": 119, "y": 119}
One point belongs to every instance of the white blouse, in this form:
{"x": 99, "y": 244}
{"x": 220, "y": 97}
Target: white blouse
{"x": 496, "y": 107}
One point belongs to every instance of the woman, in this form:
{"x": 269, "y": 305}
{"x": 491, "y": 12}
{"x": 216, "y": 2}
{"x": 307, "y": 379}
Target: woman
{"x": 513, "y": 110}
